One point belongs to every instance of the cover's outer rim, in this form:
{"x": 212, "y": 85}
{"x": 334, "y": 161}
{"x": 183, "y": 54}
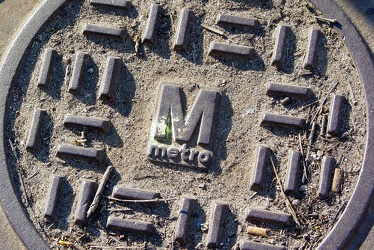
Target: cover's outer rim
{"x": 338, "y": 237}
{"x": 346, "y": 228}
{"x": 12, "y": 206}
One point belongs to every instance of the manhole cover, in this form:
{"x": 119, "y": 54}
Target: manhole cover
{"x": 168, "y": 125}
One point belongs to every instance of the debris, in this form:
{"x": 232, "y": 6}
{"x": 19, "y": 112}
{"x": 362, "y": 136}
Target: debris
{"x": 214, "y": 30}
{"x": 331, "y": 21}
{"x": 286, "y": 200}
{"x": 137, "y": 44}
{"x": 285, "y": 101}
{"x": 141, "y": 201}
{"x": 258, "y": 231}
{"x": 99, "y": 191}
{"x": 90, "y": 70}
{"x": 337, "y": 180}
{"x": 64, "y": 243}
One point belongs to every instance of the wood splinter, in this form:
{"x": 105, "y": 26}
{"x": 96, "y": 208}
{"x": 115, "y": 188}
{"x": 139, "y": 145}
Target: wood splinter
{"x": 258, "y": 231}
{"x": 99, "y": 191}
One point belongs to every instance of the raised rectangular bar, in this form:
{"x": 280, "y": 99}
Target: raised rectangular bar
{"x": 325, "y": 178}
{"x": 91, "y": 154}
{"x": 34, "y": 132}
{"x": 282, "y": 121}
{"x": 46, "y": 68}
{"x": 250, "y": 245}
{"x": 280, "y": 45}
{"x": 183, "y": 222}
{"x": 110, "y": 78}
{"x": 311, "y": 53}
{"x": 152, "y": 23}
{"x": 276, "y": 89}
{"x": 85, "y": 198}
{"x": 293, "y": 172}
{"x": 76, "y": 81}
{"x": 231, "y": 51}
{"x": 268, "y": 217}
{"x": 134, "y": 194}
{"x": 183, "y": 30}
{"x": 103, "y": 31}
{"x": 53, "y": 198}
{"x": 129, "y": 226}
{"x": 89, "y": 123}
{"x": 335, "y": 117}
{"x": 237, "y": 21}
{"x": 259, "y": 171}
{"x": 217, "y": 217}
{"x": 112, "y": 3}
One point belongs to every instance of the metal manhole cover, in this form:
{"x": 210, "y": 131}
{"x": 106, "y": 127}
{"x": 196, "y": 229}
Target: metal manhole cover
{"x": 228, "y": 125}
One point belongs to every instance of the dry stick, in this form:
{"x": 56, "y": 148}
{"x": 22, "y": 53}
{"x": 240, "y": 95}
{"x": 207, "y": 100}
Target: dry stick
{"x": 124, "y": 247}
{"x": 20, "y": 175}
{"x": 323, "y": 101}
{"x": 287, "y": 201}
{"x": 99, "y": 191}
{"x": 214, "y": 30}
{"x": 305, "y": 174}
{"x": 141, "y": 201}
{"x": 339, "y": 210}
{"x": 311, "y": 136}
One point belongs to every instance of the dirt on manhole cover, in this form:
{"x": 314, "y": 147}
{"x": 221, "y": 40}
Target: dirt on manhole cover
{"x": 228, "y": 125}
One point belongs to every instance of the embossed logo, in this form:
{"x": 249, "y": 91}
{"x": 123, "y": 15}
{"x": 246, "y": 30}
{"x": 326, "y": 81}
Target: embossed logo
{"x": 179, "y": 139}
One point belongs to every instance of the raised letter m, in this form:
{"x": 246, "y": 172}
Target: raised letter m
{"x": 169, "y": 115}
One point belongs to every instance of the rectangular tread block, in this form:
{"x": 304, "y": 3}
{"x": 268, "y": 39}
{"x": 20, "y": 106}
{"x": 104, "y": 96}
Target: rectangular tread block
{"x": 183, "y": 30}
{"x": 34, "y": 132}
{"x": 184, "y": 218}
{"x": 75, "y": 152}
{"x": 89, "y": 123}
{"x": 325, "y": 179}
{"x": 259, "y": 170}
{"x": 85, "y": 198}
{"x": 268, "y": 217}
{"x": 335, "y": 117}
{"x": 311, "y": 53}
{"x": 280, "y": 45}
{"x": 129, "y": 226}
{"x": 53, "y": 197}
{"x": 282, "y": 121}
{"x": 134, "y": 194}
{"x": 275, "y": 89}
{"x": 110, "y": 78}
{"x": 150, "y": 32}
{"x": 76, "y": 81}
{"x": 46, "y": 68}
{"x": 217, "y": 216}
{"x": 251, "y": 245}
{"x": 112, "y": 3}
{"x": 103, "y": 31}
{"x": 293, "y": 172}
{"x": 237, "y": 21}
{"x": 231, "y": 51}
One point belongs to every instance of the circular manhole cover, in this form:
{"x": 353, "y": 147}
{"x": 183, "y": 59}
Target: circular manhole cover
{"x": 221, "y": 124}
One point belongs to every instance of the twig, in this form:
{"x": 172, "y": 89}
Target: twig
{"x": 214, "y": 30}
{"x": 318, "y": 18}
{"x": 119, "y": 209}
{"x": 311, "y": 137}
{"x": 305, "y": 174}
{"x": 20, "y": 174}
{"x": 99, "y": 191}
{"x": 123, "y": 248}
{"x": 323, "y": 101}
{"x": 287, "y": 201}
{"x": 339, "y": 210}
{"x": 141, "y": 201}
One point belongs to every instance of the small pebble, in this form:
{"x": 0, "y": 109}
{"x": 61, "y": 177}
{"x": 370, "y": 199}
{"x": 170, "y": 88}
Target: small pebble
{"x": 90, "y": 70}
{"x": 296, "y": 202}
